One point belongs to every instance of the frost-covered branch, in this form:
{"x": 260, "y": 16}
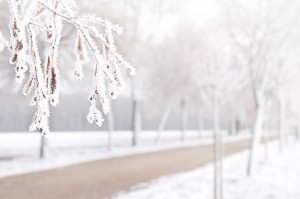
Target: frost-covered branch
{"x": 45, "y": 17}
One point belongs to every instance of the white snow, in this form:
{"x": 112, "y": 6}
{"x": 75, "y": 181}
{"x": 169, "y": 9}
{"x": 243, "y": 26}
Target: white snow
{"x": 19, "y": 152}
{"x": 278, "y": 178}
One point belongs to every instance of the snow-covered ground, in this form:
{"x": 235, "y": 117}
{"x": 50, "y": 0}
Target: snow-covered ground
{"x": 278, "y": 178}
{"x": 19, "y": 152}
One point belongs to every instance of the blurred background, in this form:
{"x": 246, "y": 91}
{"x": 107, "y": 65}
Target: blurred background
{"x": 209, "y": 73}
{"x": 179, "y": 50}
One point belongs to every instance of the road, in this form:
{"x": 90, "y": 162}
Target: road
{"x": 101, "y": 179}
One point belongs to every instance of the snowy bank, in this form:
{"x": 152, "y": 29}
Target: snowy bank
{"x": 278, "y": 178}
{"x": 19, "y": 152}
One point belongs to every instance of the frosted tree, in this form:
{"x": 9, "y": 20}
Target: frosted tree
{"x": 144, "y": 21}
{"x": 292, "y": 98}
{"x": 95, "y": 37}
{"x": 177, "y": 54}
{"x": 285, "y": 76}
{"x": 284, "y": 85}
{"x": 220, "y": 80}
{"x": 129, "y": 13}
{"x": 256, "y": 29}
{"x": 153, "y": 28}
{"x": 161, "y": 64}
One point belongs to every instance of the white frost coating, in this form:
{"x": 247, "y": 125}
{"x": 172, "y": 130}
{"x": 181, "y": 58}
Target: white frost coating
{"x": 46, "y": 17}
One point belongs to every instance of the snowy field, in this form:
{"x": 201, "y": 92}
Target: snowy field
{"x": 19, "y": 152}
{"x": 278, "y": 178}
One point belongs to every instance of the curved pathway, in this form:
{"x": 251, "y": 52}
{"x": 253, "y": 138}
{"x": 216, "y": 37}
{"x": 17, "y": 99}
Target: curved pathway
{"x": 100, "y": 179}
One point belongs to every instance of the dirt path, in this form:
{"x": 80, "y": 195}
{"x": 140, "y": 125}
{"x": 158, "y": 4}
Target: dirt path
{"x": 101, "y": 179}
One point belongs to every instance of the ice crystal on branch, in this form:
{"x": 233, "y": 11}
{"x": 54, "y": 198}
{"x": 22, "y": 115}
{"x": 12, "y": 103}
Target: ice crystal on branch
{"x": 28, "y": 19}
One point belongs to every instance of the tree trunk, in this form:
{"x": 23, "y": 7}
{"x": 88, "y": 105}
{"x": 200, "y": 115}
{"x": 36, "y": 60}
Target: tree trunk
{"x": 200, "y": 123}
{"x": 218, "y": 182}
{"x": 298, "y": 131}
{"x": 110, "y": 130}
{"x": 136, "y": 126}
{"x": 183, "y": 120}
{"x": 162, "y": 123}
{"x": 136, "y": 115}
{"x": 281, "y": 124}
{"x": 43, "y": 146}
{"x": 221, "y": 147}
{"x": 256, "y": 133}
{"x": 238, "y": 126}
{"x": 266, "y": 139}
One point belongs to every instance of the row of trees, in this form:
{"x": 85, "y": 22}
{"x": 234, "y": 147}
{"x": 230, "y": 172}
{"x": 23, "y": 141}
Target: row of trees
{"x": 245, "y": 58}
{"x": 240, "y": 64}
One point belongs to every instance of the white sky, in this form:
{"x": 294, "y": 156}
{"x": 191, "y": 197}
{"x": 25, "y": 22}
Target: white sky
{"x": 195, "y": 12}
